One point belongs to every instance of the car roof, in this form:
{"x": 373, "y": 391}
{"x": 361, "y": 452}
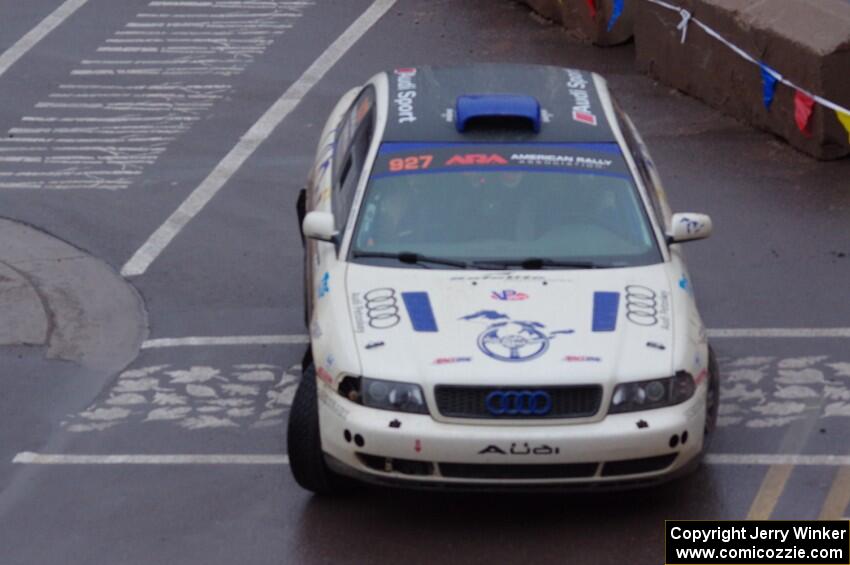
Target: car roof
{"x": 423, "y": 103}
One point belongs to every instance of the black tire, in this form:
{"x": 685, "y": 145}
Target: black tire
{"x": 306, "y": 460}
{"x": 712, "y": 400}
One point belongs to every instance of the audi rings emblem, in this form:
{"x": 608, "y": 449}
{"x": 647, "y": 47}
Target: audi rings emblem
{"x": 518, "y": 403}
{"x": 382, "y": 308}
{"x": 641, "y": 305}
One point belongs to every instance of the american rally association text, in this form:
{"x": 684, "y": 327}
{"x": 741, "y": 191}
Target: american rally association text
{"x": 757, "y": 533}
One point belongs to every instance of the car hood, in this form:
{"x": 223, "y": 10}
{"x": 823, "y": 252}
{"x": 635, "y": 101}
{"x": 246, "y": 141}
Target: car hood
{"x": 435, "y": 326}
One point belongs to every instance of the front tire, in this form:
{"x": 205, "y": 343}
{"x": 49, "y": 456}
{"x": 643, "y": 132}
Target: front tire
{"x": 306, "y": 459}
{"x": 712, "y": 401}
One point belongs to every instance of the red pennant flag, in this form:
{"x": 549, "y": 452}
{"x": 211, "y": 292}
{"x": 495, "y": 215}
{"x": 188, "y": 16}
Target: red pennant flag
{"x": 803, "y": 105}
{"x": 591, "y": 5}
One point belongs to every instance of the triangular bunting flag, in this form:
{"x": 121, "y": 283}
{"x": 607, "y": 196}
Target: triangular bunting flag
{"x": 845, "y": 121}
{"x": 803, "y": 104}
{"x": 615, "y": 14}
{"x": 768, "y": 85}
{"x": 591, "y": 5}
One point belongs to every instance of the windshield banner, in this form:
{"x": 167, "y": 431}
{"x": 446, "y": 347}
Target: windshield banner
{"x": 405, "y": 158}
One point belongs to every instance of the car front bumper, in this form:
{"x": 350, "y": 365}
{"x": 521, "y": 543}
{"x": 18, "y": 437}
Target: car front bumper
{"x": 417, "y": 451}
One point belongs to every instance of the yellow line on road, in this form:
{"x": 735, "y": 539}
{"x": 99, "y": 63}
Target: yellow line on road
{"x": 839, "y": 496}
{"x": 771, "y": 489}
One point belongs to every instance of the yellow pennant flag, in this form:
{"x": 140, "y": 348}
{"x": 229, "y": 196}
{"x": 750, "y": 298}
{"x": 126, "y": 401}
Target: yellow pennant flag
{"x": 845, "y": 121}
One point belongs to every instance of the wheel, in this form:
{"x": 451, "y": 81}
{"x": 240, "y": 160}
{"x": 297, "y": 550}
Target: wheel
{"x": 712, "y": 400}
{"x": 306, "y": 460}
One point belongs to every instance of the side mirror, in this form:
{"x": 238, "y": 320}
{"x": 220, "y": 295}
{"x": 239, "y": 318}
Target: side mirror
{"x": 319, "y": 225}
{"x": 688, "y": 227}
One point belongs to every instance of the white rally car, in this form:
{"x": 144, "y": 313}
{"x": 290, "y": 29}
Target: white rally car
{"x": 495, "y": 291}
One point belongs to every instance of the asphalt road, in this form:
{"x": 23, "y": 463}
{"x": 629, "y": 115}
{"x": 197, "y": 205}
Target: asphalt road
{"x": 111, "y": 120}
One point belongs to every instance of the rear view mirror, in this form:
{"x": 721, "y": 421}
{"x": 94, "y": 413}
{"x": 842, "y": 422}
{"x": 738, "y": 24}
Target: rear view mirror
{"x": 689, "y": 226}
{"x": 319, "y": 225}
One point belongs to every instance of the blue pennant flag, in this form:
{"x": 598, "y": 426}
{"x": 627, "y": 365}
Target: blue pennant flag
{"x": 615, "y": 14}
{"x": 768, "y": 84}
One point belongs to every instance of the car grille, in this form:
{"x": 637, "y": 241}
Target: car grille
{"x": 470, "y": 402}
{"x": 547, "y": 471}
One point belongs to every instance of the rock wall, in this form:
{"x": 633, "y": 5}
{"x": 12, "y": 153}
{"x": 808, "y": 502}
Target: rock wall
{"x": 577, "y": 16}
{"x": 806, "y": 41}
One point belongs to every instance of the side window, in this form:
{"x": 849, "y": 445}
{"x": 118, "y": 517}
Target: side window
{"x": 352, "y": 146}
{"x": 644, "y": 167}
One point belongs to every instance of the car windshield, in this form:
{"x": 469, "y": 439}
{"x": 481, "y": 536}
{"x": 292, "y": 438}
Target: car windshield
{"x": 502, "y": 206}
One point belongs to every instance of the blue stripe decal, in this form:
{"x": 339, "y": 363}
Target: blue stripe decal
{"x": 605, "y": 307}
{"x": 396, "y": 146}
{"x": 419, "y": 309}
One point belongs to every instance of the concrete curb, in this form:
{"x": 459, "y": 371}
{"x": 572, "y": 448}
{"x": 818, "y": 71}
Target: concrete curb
{"x": 55, "y": 295}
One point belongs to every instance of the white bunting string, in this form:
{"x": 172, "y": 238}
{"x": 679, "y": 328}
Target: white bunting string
{"x": 683, "y": 25}
{"x": 687, "y": 17}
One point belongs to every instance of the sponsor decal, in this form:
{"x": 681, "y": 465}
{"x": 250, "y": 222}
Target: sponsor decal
{"x": 330, "y": 360}
{"x": 419, "y": 310}
{"x": 413, "y": 163}
{"x": 476, "y": 159}
{"x": 691, "y": 226}
{"x": 521, "y": 449}
{"x": 377, "y": 308}
{"x": 324, "y": 375}
{"x": 405, "y": 95}
{"x": 605, "y": 307}
{"x": 417, "y": 446}
{"x": 656, "y": 345}
{"x": 542, "y": 160}
{"x": 582, "y": 111}
{"x": 374, "y": 344}
{"x": 332, "y": 402}
{"x": 315, "y": 329}
{"x": 323, "y": 285}
{"x": 451, "y": 360}
{"x": 512, "y": 340}
{"x": 501, "y": 277}
{"x": 683, "y": 283}
{"x": 582, "y": 359}
{"x": 508, "y": 295}
{"x": 645, "y": 307}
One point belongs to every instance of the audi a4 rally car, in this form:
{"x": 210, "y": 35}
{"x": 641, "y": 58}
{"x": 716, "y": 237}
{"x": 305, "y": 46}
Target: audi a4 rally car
{"x": 495, "y": 291}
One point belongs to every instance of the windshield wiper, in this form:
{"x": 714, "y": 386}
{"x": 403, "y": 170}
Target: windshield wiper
{"x": 412, "y": 258}
{"x": 536, "y": 263}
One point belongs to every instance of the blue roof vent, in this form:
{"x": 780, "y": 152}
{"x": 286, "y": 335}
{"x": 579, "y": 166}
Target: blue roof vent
{"x": 514, "y": 106}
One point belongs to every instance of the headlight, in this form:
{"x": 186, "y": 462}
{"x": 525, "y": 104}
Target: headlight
{"x": 657, "y": 393}
{"x": 384, "y": 395}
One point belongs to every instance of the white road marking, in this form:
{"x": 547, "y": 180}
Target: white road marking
{"x": 36, "y": 34}
{"x": 193, "y": 397}
{"x": 28, "y": 457}
{"x": 288, "y": 339}
{"x": 227, "y": 340}
{"x": 777, "y": 459}
{"x": 223, "y": 42}
{"x": 779, "y": 332}
{"x": 246, "y": 146}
